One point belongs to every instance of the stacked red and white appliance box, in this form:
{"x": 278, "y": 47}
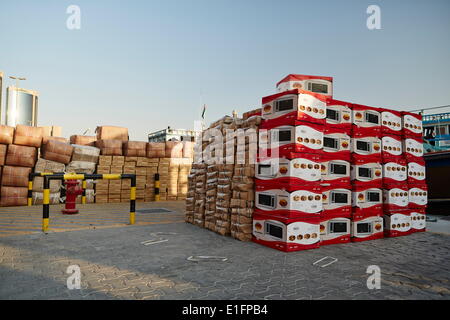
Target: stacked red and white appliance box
{"x": 324, "y": 167}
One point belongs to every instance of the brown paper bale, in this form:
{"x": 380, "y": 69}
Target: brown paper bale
{"x": 15, "y": 176}
{"x": 174, "y": 149}
{"x": 135, "y": 148}
{"x": 83, "y": 140}
{"x": 46, "y": 139}
{"x": 80, "y": 167}
{"x": 109, "y": 147}
{"x": 28, "y": 136}
{"x": 22, "y": 156}
{"x": 57, "y": 151}
{"x": 156, "y": 150}
{"x": 6, "y": 134}
{"x": 48, "y": 166}
{"x": 13, "y": 196}
{"x": 188, "y": 149}
{"x": 85, "y": 153}
{"x": 112, "y": 132}
{"x": 3, "y": 149}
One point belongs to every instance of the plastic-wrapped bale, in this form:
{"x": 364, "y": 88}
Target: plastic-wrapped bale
{"x": 85, "y": 153}
{"x": 46, "y": 139}
{"x": 3, "y": 149}
{"x": 13, "y": 196}
{"x": 90, "y": 196}
{"x": 134, "y": 149}
{"x": 183, "y": 173}
{"x": 83, "y": 140}
{"x": 174, "y": 149}
{"x": 172, "y": 183}
{"x": 223, "y": 211}
{"x": 112, "y": 133}
{"x": 242, "y": 202}
{"x": 80, "y": 167}
{"x": 21, "y": 156}
{"x": 156, "y": 150}
{"x": 200, "y": 195}
{"x": 28, "y": 136}
{"x": 188, "y": 149}
{"x": 109, "y": 147}
{"x": 212, "y": 176}
{"x": 190, "y": 198}
{"x": 57, "y": 151}
{"x": 15, "y": 176}
{"x": 163, "y": 171}
{"x": 38, "y": 198}
{"x": 6, "y": 134}
{"x": 48, "y": 166}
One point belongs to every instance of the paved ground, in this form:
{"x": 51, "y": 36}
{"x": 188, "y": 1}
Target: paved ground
{"x": 115, "y": 263}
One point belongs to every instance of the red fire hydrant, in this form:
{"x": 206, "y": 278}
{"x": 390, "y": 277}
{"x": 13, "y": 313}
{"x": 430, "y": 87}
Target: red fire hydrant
{"x": 72, "y": 191}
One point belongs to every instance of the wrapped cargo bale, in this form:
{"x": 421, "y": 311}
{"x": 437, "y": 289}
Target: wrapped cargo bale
{"x": 252, "y": 113}
{"x": 13, "y": 196}
{"x": 134, "y": 149}
{"x": 109, "y": 147}
{"x": 85, "y": 153}
{"x": 200, "y": 197}
{"x": 47, "y": 166}
{"x": 57, "y": 151}
{"x": 188, "y": 149}
{"x": 80, "y": 167}
{"x": 83, "y": 140}
{"x": 6, "y": 134}
{"x": 190, "y": 198}
{"x": 112, "y": 133}
{"x": 28, "y": 136}
{"x": 15, "y": 176}
{"x": 46, "y": 139}
{"x": 3, "y": 149}
{"x": 38, "y": 197}
{"x": 90, "y": 197}
{"x": 223, "y": 211}
{"x": 21, "y": 156}
{"x": 174, "y": 149}
{"x": 156, "y": 150}
{"x": 212, "y": 176}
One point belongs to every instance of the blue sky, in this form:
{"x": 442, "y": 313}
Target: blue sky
{"x": 149, "y": 64}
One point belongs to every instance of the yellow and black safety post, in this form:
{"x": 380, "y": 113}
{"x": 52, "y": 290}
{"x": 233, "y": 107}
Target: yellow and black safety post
{"x": 30, "y": 183}
{"x": 83, "y": 196}
{"x": 83, "y": 177}
{"x": 157, "y": 187}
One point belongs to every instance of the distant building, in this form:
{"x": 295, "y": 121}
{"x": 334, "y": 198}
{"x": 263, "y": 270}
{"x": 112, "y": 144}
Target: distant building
{"x": 21, "y": 107}
{"x": 171, "y": 135}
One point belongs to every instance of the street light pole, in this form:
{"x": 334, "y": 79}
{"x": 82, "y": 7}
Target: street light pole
{"x": 18, "y": 79}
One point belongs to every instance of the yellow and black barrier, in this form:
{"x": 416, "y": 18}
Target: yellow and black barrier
{"x": 49, "y": 177}
{"x": 157, "y": 186}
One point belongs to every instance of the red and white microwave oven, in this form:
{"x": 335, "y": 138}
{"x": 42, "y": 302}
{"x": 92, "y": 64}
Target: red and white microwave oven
{"x": 339, "y": 115}
{"x": 306, "y": 201}
{"x": 286, "y": 234}
{"x": 416, "y": 172}
{"x": 395, "y": 197}
{"x": 316, "y": 84}
{"x": 366, "y": 228}
{"x": 392, "y": 149}
{"x": 364, "y": 147}
{"x": 397, "y": 223}
{"x": 394, "y": 172}
{"x": 418, "y": 195}
{"x": 366, "y": 120}
{"x": 303, "y": 168}
{"x": 334, "y": 230}
{"x": 283, "y": 140}
{"x": 366, "y": 200}
{"x": 391, "y": 122}
{"x": 336, "y": 143}
{"x": 366, "y": 172}
{"x": 418, "y": 220}
{"x": 413, "y": 147}
{"x": 412, "y": 124}
{"x": 295, "y": 105}
{"x": 334, "y": 171}
{"x": 336, "y": 201}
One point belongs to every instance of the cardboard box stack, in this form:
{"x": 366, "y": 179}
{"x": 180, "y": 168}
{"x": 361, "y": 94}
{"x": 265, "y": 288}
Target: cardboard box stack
{"x": 21, "y": 156}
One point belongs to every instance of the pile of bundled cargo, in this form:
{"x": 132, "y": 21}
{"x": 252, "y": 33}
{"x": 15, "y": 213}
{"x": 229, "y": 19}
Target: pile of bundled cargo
{"x": 327, "y": 172}
{"x": 27, "y": 149}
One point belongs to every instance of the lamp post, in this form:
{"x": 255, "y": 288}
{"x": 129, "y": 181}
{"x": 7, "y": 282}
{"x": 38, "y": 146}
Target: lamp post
{"x": 18, "y": 79}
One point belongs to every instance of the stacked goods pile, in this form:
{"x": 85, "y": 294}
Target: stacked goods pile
{"x": 212, "y": 178}
{"x": 47, "y": 166}
{"x": 183, "y": 173}
{"x": 19, "y": 161}
{"x": 190, "y": 197}
{"x": 83, "y": 140}
{"x": 102, "y": 186}
{"x": 163, "y": 171}
{"x": 200, "y": 194}
{"x": 84, "y": 160}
